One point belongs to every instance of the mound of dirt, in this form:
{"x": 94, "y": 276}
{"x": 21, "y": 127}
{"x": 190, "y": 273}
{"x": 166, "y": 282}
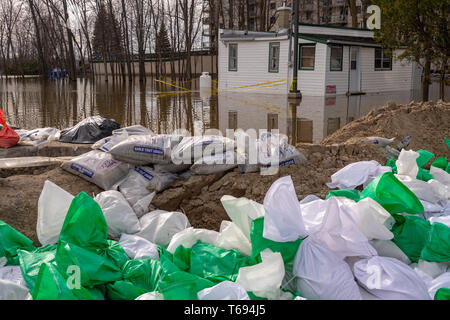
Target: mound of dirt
{"x": 427, "y": 123}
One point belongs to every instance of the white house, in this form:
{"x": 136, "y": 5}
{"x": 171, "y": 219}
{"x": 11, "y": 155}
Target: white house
{"x": 332, "y": 60}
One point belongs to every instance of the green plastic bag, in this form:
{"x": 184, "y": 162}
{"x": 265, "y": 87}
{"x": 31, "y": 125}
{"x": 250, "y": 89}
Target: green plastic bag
{"x": 437, "y": 247}
{"x": 181, "y": 285}
{"x": 95, "y": 269}
{"x": 115, "y": 253}
{"x": 85, "y": 226}
{"x": 448, "y": 168}
{"x": 391, "y": 163}
{"x": 440, "y": 163}
{"x": 288, "y": 250}
{"x": 216, "y": 264}
{"x": 442, "y": 294}
{"x": 31, "y": 261}
{"x": 123, "y": 290}
{"x": 393, "y": 195}
{"x": 11, "y": 241}
{"x": 143, "y": 273}
{"x": 447, "y": 141}
{"x": 424, "y": 175}
{"x": 410, "y": 235}
{"x": 351, "y": 194}
{"x": 424, "y": 157}
{"x": 182, "y": 258}
{"x": 52, "y": 285}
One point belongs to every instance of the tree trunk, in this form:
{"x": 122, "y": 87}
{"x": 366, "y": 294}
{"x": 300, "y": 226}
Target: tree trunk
{"x": 442, "y": 85}
{"x": 38, "y": 40}
{"x": 73, "y": 69}
{"x": 354, "y": 13}
{"x": 426, "y": 80}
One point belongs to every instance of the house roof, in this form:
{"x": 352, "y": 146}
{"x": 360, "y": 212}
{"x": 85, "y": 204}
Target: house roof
{"x": 339, "y": 39}
{"x": 250, "y": 35}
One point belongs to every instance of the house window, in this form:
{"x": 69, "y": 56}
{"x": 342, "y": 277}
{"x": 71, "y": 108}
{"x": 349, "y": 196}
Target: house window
{"x": 307, "y": 56}
{"x": 336, "y": 58}
{"x": 274, "y": 57}
{"x": 233, "y": 57}
{"x": 382, "y": 61}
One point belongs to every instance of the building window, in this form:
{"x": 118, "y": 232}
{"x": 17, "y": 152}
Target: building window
{"x": 336, "y": 58}
{"x": 232, "y": 57}
{"x": 274, "y": 57}
{"x": 382, "y": 61}
{"x": 307, "y": 55}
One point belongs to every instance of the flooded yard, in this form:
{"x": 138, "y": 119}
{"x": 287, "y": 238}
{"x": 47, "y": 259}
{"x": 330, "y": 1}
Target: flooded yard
{"x": 32, "y": 102}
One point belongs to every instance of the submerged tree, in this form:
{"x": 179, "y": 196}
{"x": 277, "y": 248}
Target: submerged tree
{"x": 162, "y": 44}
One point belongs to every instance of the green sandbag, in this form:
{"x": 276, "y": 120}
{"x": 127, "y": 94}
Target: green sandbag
{"x": 85, "y": 225}
{"x": 123, "y": 290}
{"x": 437, "y": 247}
{"x": 115, "y": 253}
{"x": 410, "y": 235}
{"x": 351, "y": 194}
{"x": 393, "y": 195}
{"x": 11, "y": 241}
{"x": 52, "y": 285}
{"x": 288, "y": 250}
{"x": 391, "y": 163}
{"x": 424, "y": 175}
{"x": 447, "y": 141}
{"x": 216, "y": 264}
{"x": 442, "y": 294}
{"x": 95, "y": 269}
{"x": 424, "y": 157}
{"x": 31, "y": 261}
{"x": 182, "y": 258}
{"x": 181, "y": 285}
{"x": 448, "y": 168}
{"x": 440, "y": 163}
{"x": 143, "y": 273}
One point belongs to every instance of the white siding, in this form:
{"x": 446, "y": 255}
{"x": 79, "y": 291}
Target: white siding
{"x": 253, "y": 67}
{"x": 338, "y": 78}
{"x": 312, "y": 82}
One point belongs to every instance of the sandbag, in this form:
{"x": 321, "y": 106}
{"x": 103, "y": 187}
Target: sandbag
{"x": 31, "y": 261}
{"x": 356, "y": 174}
{"x": 420, "y": 188}
{"x": 138, "y": 248}
{"x": 89, "y": 130}
{"x": 283, "y": 218}
{"x": 40, "y": 135}
{"x": 232, "y": 238}
{"x": 160, "y": 226}
{"x": 13, "y": 274}
{"x": 119, "y": 215}
{"x": 190, "y": 236}
{"x": 312, "y": 263}
{"x": 172, "y": 168}
{"x": 313, "y": 213}
{"x": 390, "y": 279}
{"x": 387, "y": 248}
{"x": 119, "y": 135}
{"x": 146, "y": 149}
{"x": 53, "y": 205}
{"x": 379, "y": 141}
{"x": 216, "y": 163}
{"x": 443, "y": 281}
{"x": 226, "y": 290}
{"x": 11, "y": 241}
{"x": 407, "y": 163}
{"x": 12, "y": 291}
{"x": 433, "y": 269}
{"x": 151, "y": 296}
{"x": 263, "y": 279}
{"x": 97, "y": 167}
{"x": 440, "y": 175}
{"x": 8, "y": 137}
{"x": 190, "y": 149}
{"x": 437, "y": 245}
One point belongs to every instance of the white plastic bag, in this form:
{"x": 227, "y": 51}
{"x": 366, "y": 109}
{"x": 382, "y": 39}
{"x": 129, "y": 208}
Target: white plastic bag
{"x": 440, "y": 175}
{"x": 39, "y": 135}
{"x": 443, "y": 219}
{"x": 420, "y": 188}
{"x": 263, "y": 279}
{"x": 322, "y": 275}
{"x": 379, "y": 141}
{"x": 407, "y": 163}
{"x": 13, "y": 274}
{"x": 99, "y": 168}
{"x": 387, "y": 248}
{"x": 216, "y": 163}
{"x": 119, "y": 216}
{"x": 390, "y": 279}
{"x": 225, "y": 290}
{"x": 53, "y": 205}
{"x": 232, "y": 238}
{"x": 356, "y": 174}
{"x": 3, "y": 261}
{"x": 313, "y": 213}
{"x": 433, "y": 269}
{"x": 160, "y": 226}
{"x": 138, "y": 247}
{"x": 151, "y": 296}
{"x": 283, "y": 220}
{"x": 190, "y": 236}
{"x": 12, "y": 291}
{"x": 443, "y": 281}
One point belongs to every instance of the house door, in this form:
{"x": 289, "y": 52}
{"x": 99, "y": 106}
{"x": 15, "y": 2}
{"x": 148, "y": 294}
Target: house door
{"x": 355, "y": 73}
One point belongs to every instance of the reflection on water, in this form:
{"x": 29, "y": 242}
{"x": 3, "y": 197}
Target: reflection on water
{"x": 33, "y": 103}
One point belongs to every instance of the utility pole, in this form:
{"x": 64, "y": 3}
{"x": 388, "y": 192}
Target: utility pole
{"x": 294, "y": 92}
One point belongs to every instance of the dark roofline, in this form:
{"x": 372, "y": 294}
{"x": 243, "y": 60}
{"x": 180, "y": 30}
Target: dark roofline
{"x": 331, "y": 26}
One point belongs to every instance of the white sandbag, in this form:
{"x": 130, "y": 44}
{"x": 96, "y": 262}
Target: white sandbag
{"x": 309, "y": 198}
{"x": 232, "y": 238}
{"x": 190, "y": 236}
{"x": 442, "y": 219}
{"x": 146, "y": 149}
{"x": 138, "y": 248}
{"x": 379, "y": 141}
{"x": 118, "y": 213}
{"x": 441, "y": 190}
{"x": 13, "y": 274}
{"x": 432, "y": 207}
{"x": 322, "y": 275}
{"x": 420, "y": 188}
{"x": 36, "y": 136}
{"x": 225, "y": 290}
{"x": 390, "y": 279}
{"x": 151, "y": 296}
{"x": 365, "y": 295}
{"x": 283, "y": 220}
{"x": 440, "y": 175}
{"x": 141, "y": 206}
{"x": 373, "y": 220}
{"x": 387, "y": 248}
{"x": 190, "y": 149}
{"x": 339, "y": 232}
{"x": 53, "y": 205}
{"x": 135, "y": 130}
{"x": 172, "y": 168}
{"x": 99, "y": 168}
{"x": 263, "y": 279}
{"x": 356, "y": 174}
{"x": 313, "y": 213}
{"x": 216, "y": 163}
{"x": 242, "y": 212}
{"x": 3, "y": 261}
{"x": 433, "y": 269}
{"x": 12, "y": 291}
{"x": 119, "y": 135}
{"x": 443, "y": 281}
{"x": 160, "y": 226}
{"x": 407, "y": 163}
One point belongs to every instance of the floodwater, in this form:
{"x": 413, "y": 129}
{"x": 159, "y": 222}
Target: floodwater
{"x": 34, "y": 103}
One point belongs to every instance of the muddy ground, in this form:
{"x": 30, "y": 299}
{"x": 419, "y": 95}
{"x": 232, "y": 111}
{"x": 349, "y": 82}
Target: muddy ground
{"x": 199, "y": 196}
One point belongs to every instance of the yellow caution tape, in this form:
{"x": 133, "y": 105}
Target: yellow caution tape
{"x": 178, "y": 87}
